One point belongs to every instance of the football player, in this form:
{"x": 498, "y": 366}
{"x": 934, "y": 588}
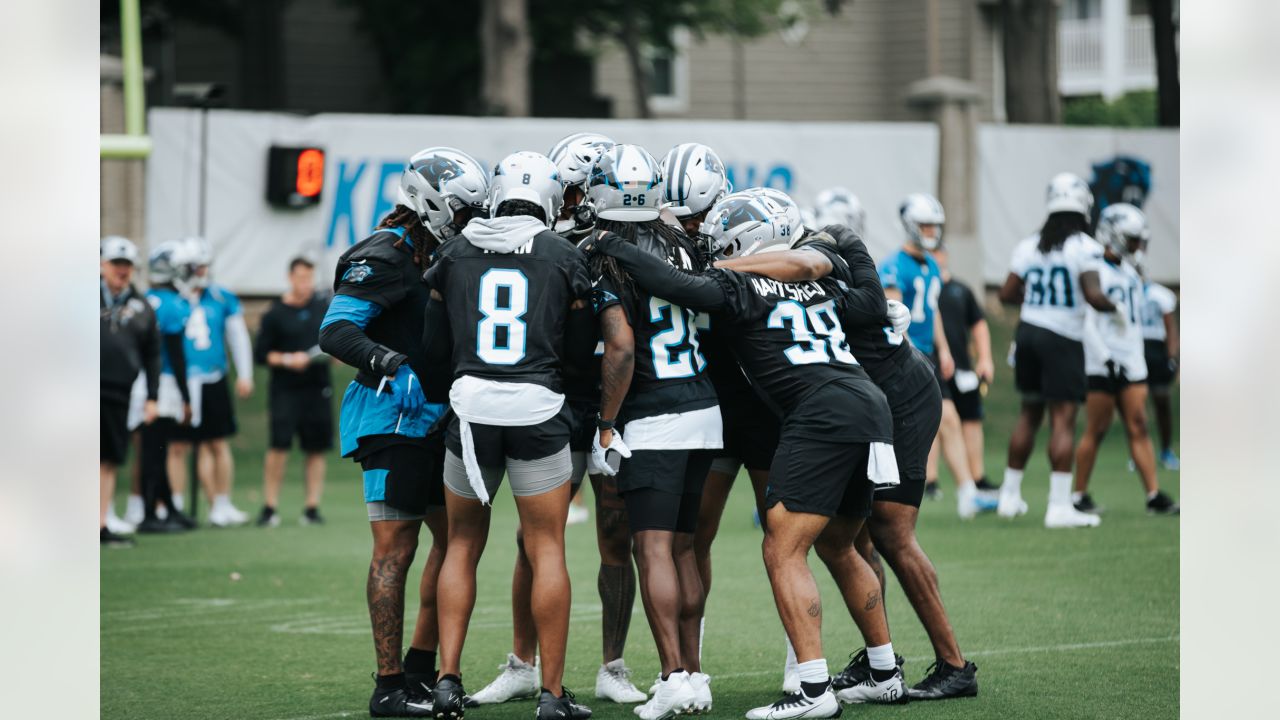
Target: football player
{"x": 1161, "y": 345}
{"x": 375, "y": 324}
{"x": 789, "y": 342}
{"x": 695, "y": 181}
{"x": 215, "y": 323}
{"x": 505, "y": 291}
{"x": 839, "y": 206}
{"x": 907, "y": 379}
{"x": 656, "y": 394}
{"x": 912, "y": 276}
{"x": 1053, "y": 275}
{"x": 615, "y": 579}
{"x": 171, "y": 267}
{"x": 1115, "y": 362}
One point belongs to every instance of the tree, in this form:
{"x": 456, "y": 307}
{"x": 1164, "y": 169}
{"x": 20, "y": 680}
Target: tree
{"x": 1031, "y": 61}
{"x": 1167, "y": 85}
{"x": 506, "y": 50}
{"x": 635, "y": 30}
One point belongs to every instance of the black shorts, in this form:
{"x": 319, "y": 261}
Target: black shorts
{"x": 968, "y": 404}
{"x": 1159, "y": 374}
{"x": 304, "y": 412}
{"x": 113, "y": 446}
{"x": 751, "y": 432}
{"x": 944, "y": 386}
{"x": 1048, "y": 366}
{"x": 217, "y": 415}
{"x": 495, "y": 443}
{"x": 1113, "y": 382}
{"x": 917, "y": 411}
{"x": 656, "y": 506}
{"x": 582, "y": 421}
{"x": 405, "y": 473}
{"x": 818, "y": 471}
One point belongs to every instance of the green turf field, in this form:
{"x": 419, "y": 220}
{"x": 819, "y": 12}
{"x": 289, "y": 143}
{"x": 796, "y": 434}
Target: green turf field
{"x": 1062, "y": 624}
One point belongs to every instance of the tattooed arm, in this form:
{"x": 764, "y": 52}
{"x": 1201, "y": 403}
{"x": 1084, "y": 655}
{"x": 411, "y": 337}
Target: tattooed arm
{"x": 617, "y": 366}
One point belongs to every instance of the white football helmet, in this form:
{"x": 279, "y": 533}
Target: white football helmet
{"x": 1121, "y": 224}
{"x": 527, "y": 176}
{"x": 626, "y": 185}
{"x": 575, "y": 154}
{"x": 922, "y": 209}
{"x": 695, "y": 179}
{"x": 115, "y": 247}
{"x": 838, "y": 206}
{"x": 439, "y": 182}
{"x": 1068, "y": 192}
{"x": 173, "y": 262}
{"x": 753, "y": 221}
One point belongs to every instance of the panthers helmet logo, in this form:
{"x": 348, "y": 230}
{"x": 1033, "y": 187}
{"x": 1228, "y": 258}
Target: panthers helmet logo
{"x": 437, "y": 170}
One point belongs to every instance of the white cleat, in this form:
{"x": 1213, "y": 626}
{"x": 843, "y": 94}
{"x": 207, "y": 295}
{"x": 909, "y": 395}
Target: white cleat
{"x": 967, "y": 501}
{"x": 117, "y": 526}
{"x": 671, "y": 697}
{"x": 888, "y": 692}
{"x": 1066, "y": 516}
{"x": 613, "y": 682}
{"x": 1011, "y": 505}
{"x": 517, "y": 680}
{"x": 798, "y": 705}
{"x": 578, "y": 514}
{"x": 235, "y": 514}
{"x": 701, "y": 683}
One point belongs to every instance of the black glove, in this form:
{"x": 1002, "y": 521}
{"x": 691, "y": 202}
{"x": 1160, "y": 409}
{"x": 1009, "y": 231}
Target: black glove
{"x": 584, "y": 217}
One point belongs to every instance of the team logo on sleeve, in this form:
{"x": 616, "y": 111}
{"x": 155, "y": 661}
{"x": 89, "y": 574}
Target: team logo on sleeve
{"x": 357, "y": 273}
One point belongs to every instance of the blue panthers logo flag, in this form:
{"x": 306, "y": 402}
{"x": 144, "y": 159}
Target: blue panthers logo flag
{"x": 357, "y": 273}
{"x": 1122, "y": 179}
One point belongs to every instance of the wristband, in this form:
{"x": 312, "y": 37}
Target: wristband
{"x": 602, "y": 424}
{"x": 385, "y": 361}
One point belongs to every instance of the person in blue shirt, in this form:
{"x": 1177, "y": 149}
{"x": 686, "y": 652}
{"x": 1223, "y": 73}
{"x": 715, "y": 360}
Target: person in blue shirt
{"x": 375, "y": 324}
{"x": 214, "y": 323}
{"x": 912, "y": 277}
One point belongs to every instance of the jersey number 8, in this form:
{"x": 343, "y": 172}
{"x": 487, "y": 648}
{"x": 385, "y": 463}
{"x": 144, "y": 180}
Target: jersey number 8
{"x": 502, "y": 317}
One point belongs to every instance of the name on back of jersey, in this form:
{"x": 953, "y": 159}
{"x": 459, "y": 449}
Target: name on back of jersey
{"x": 799, "y": 292}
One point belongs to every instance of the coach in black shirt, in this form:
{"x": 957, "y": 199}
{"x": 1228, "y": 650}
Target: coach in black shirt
{"x": 130, "y": 344}
{"x": 300, "y": 398}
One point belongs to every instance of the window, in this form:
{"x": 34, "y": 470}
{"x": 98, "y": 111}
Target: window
{"x": 669, "y": 76}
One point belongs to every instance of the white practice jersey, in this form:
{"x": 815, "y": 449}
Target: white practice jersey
{"x": 1116, "y": 336}
{"x": 1160, "y": 301}
{"x": 1052, "y": 298}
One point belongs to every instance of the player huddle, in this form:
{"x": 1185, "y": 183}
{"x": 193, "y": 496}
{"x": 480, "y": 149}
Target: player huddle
{"x": 597, "y": 312}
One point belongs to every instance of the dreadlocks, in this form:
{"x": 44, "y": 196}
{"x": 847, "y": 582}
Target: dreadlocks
{"x": 603, "y": 265}
{"x": 421, "y": 240}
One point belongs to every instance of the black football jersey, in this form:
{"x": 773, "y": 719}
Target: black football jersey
{"x": 377, "y": 271}
{"x": 878, "y": 348}
{"x": 582, "y": 382}
{"x": 787, "y": 337}
{"x": 670, "y": 368}
{"x": 507, "y": 311}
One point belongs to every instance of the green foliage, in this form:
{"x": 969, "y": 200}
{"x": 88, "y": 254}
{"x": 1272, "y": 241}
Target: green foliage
{"x": 1135, "y": 109}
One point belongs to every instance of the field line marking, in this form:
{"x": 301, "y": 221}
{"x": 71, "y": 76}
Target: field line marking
{"x": 1067, "y": 647}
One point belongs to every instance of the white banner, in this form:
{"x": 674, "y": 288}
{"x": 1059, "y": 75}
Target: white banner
{"x": 1017, "y": 161}
{"x": 253, "y": 242}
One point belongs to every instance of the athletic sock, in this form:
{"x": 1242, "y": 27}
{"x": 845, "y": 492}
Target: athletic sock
{"x": 391, "y": 682}
{"x": 1012, "y": 481}
{"x": 1076, "y": 497}
{"x": 311, "y": 513}
{"x": 673, "y": 672}
{"x": 179, "y": 503}
{"x": 881, "y": 657}
{"x": 1059, "y": 488}
{"x": 419, "y": 662}
{"x": 702, "y": 629}
{"x": 134, "y": 501}
{"x": 791, "y": 656}
{"x": 1152, "y": 495}
{"x": 814, "y": 677}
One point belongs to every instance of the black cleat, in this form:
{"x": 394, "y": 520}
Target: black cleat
{"x": 566, "y": 707}
{"x": 932, "y": 491}
{"x": 945, "y": 681}
{"x": 448, "y": 698}
{"x": 1086, "y": 505}
{"x": 421, "y": 684}
{"x": 154, "y": 525}
{"x": 109, "y": 539}
{"x": 181, "y": 520}
{"x": 858, "y": 670}
{"x": 1162, "y": 504}
{"x": 398, "y": 702}
{"x": 311, "y": 516}
{"x": 985, "y": 484}
{"x": 267, "y": 517}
